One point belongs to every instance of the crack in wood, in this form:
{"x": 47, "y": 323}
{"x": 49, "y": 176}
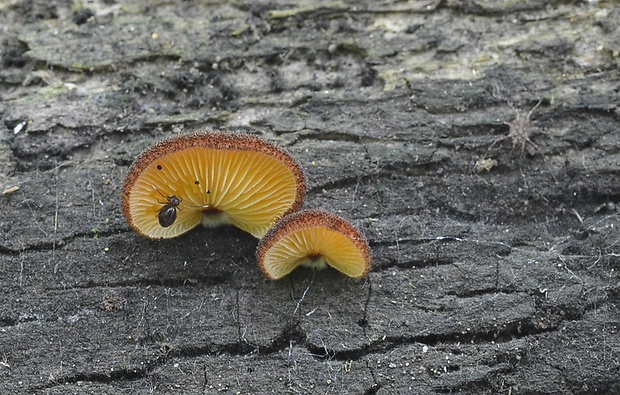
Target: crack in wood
{"x": 414, "y": 263}
{"x": 122, "y": 374}
{"x": 60, "y": 244}
{"x": 337, "y": 136}
{"x": 170, "y": 282}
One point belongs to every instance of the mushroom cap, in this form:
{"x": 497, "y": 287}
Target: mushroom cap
{"x": 313, "y": 238}
{"x": 211, "y": 178}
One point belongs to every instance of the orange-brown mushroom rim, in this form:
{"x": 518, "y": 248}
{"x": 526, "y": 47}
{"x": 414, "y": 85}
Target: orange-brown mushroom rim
{"x": 211, "y": 178}
{"x": 313, "y": 238}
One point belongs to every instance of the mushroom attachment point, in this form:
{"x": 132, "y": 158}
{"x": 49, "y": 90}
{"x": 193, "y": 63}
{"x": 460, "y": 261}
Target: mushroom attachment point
{"x": 211, "y": 178}
{"x": 313, "y": 238}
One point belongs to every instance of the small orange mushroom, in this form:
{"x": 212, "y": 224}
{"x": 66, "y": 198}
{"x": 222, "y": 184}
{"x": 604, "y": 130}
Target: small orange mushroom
{"x": 313, "y": 238}
{"x": 211, "y": 178}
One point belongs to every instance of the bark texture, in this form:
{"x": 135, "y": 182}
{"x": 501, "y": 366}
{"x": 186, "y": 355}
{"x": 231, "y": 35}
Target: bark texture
{"x": 493, "y": 221}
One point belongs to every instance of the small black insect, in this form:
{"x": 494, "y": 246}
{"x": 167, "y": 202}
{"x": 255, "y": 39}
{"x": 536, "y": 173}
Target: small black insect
{"x": 168, "y": 213}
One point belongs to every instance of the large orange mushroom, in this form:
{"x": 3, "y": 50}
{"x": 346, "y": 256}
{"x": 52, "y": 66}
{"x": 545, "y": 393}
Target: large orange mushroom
{"x": 313, "y": 238}
{"x": 211, "y": 178}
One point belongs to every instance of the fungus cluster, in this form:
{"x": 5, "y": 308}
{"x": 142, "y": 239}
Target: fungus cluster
{"x": 218, "y": 178}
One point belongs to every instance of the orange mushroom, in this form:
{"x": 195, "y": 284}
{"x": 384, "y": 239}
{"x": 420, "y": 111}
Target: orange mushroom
{"x": 313, "y": 238}
{"x": 211, "y": 178}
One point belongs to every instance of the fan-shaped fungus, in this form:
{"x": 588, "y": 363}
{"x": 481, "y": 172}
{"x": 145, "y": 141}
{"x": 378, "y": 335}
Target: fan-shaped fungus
{"x": 313, "y": 238}
{"x": 210, "y": 178}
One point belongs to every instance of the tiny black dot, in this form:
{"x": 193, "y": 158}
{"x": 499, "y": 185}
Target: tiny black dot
{"x": 208, "y": 192}
{"x": 197, "y": 182}
{"x": 159, "y": 167}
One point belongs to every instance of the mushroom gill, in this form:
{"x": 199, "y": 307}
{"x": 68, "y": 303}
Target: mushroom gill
{"x": 313, "y": 238}
{"x": 210, "y": 178}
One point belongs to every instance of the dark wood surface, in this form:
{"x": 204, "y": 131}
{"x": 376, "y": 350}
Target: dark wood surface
{"x": 494, "y": 228}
